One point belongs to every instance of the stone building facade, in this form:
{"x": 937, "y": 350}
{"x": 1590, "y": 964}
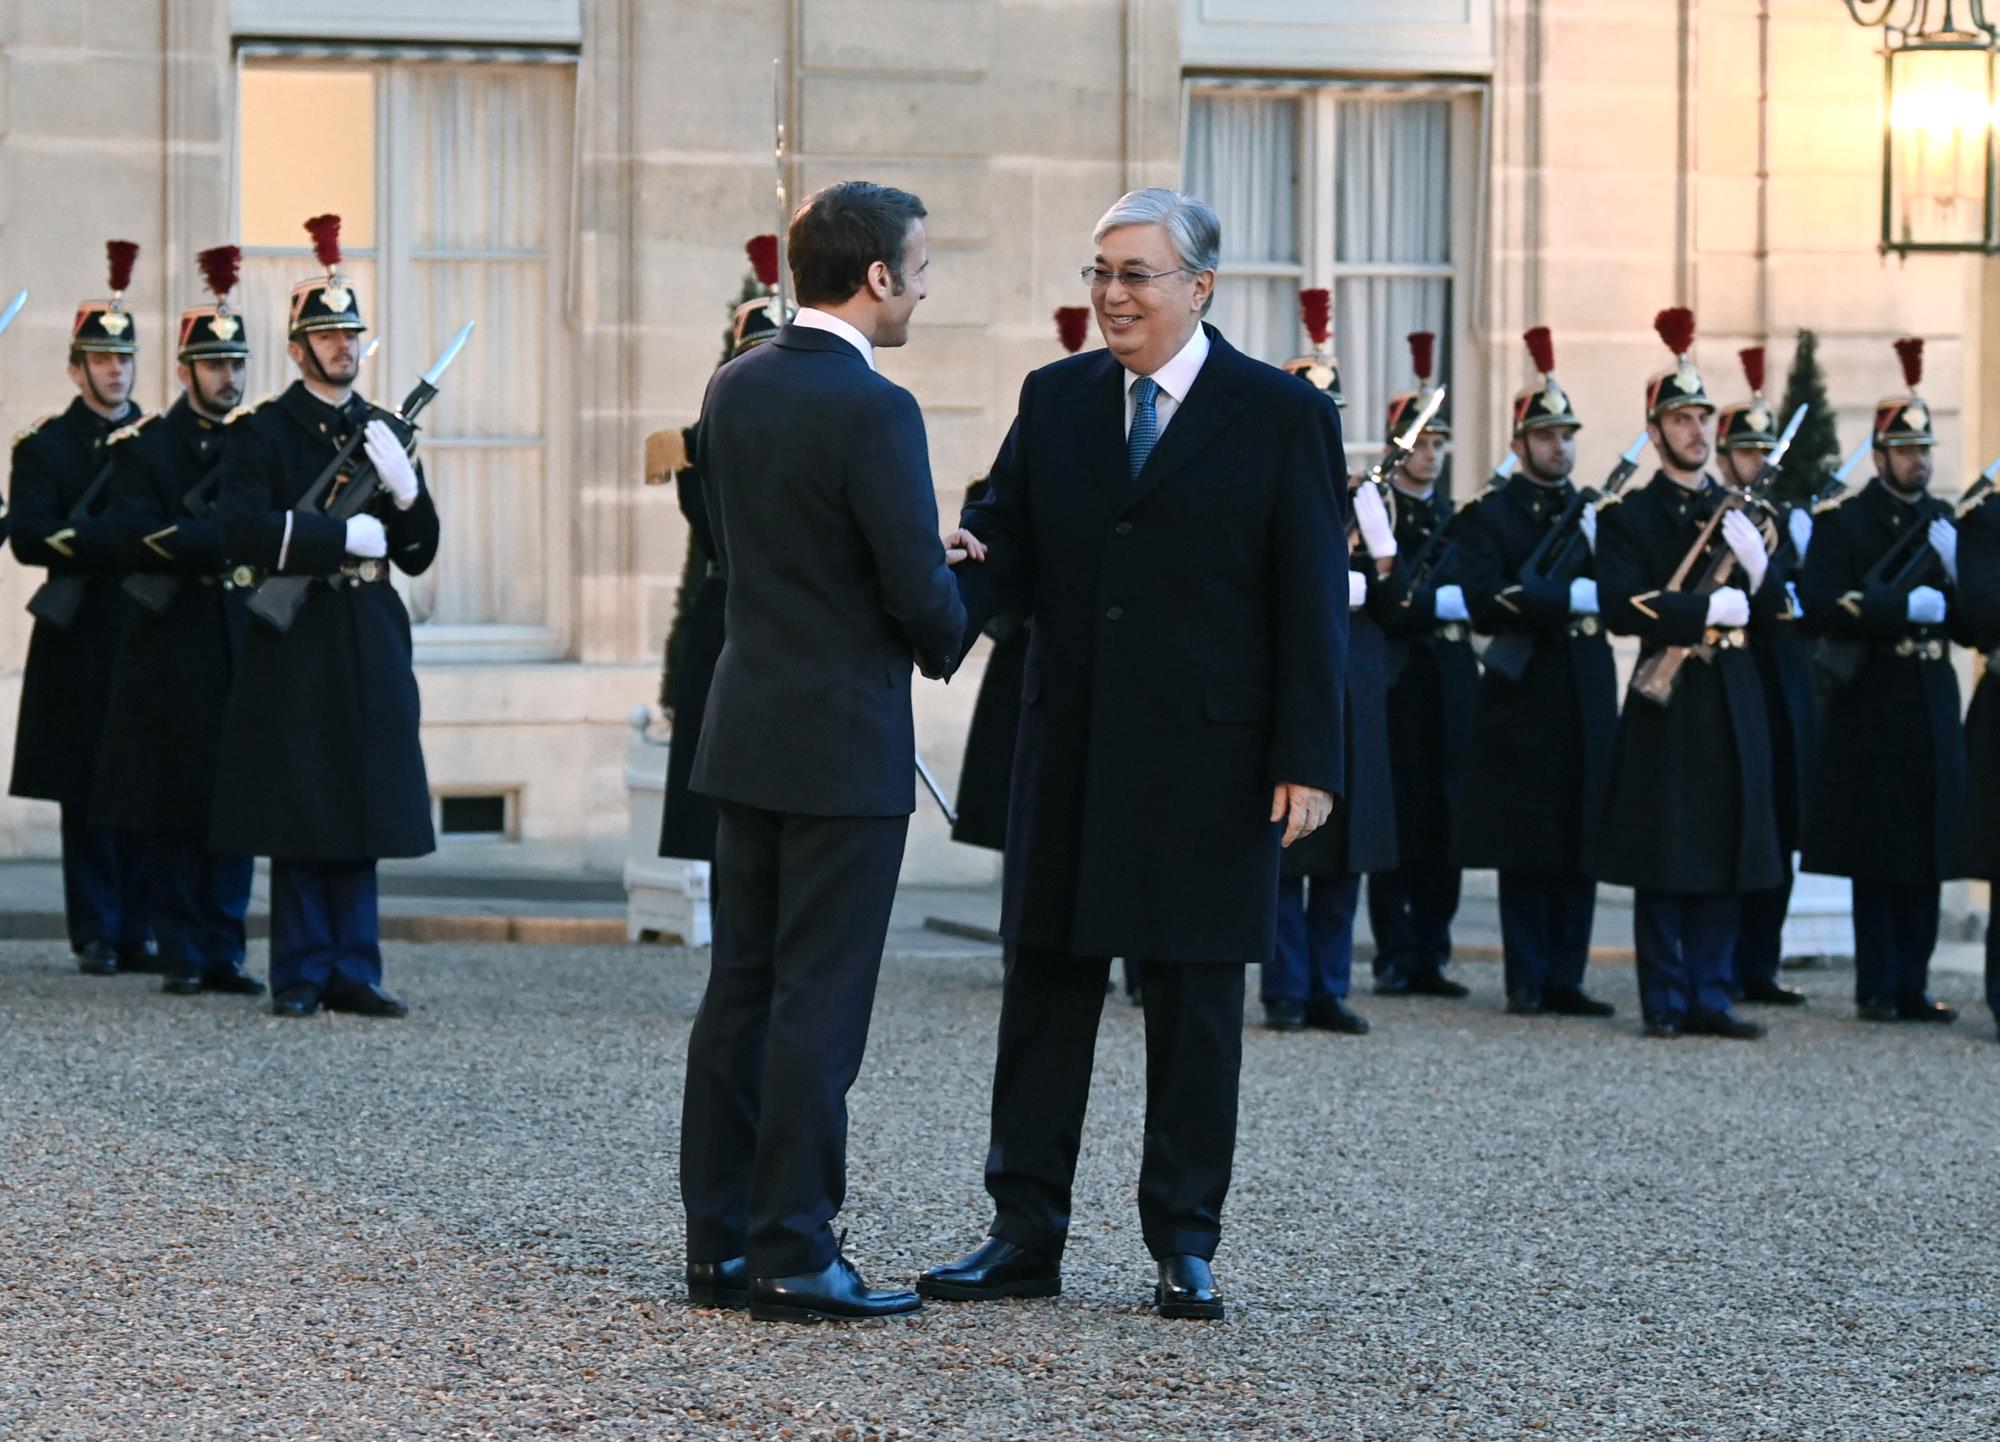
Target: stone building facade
{"x": 580, "y": 175}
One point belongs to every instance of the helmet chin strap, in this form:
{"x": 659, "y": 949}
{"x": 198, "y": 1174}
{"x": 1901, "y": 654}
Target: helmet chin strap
{"x": 1667, "y": 450}
{"x": 96, "y": 395}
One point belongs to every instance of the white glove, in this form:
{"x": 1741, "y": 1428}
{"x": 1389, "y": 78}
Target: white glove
{"x": 392, "y": 463}
{"x": 1583, "y": 597}
{"x": 1373, "y": 518}
{"x": 1586, "y": 521}
{"x": 1357, "y": 590}
{"x": 1748, "y": 544}
{"x": 366, "y": 539}
{"x": 1927, "y": 606}
{"x": 1792, "y": 594}
{"x": 1449, "y": 604}
{"x": 1944, "y": 540}
{"x": 1799, "y": 522}
{"x": 1728, "y": 606}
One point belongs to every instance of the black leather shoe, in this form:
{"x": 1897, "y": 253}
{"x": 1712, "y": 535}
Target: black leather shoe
{"x": 1922, "y": 1008}
{"x": 990, "y": 1271}
{"x": 835, "y": 1293}
{"x": 1571, "y": 1001}
{"x": 1285, "y": 1015}
{"x": 295, "y": 1001}
{"x": 96, "y": 958}
{"x": 1186, "y": 1290}
{"x": 1330, "y": 1013}
{"x": 1663, "y": 1030}
{"x": 363, "y": 1001}
{"x": 1769, "y": 993}
{"x": 1433, "y": 983}
{"x": 231, "y": 980}
{"x": 1875, "y": 1009}
{"x": 1521, "y": 1003}
{"x": 1721, "y": 1023}
{"x": 185, "y": 983}
{"x": 145, "y": 957}
{"x": 719, "y": 1284}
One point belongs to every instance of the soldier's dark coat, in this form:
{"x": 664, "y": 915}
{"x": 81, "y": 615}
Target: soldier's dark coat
{"x": 1540, "y": 755}
{"x": 163, "y": 738}
{"x": 66, "y": 688}
{"x": 1360, "y": 834}
{"x": 1888, "y": 800}
{"x": 1689, "y": 808}
{"x": 1433, "y": 689}
{"x": 321, "y": 735}
{"x": 1783, "y": 652}
{"x": 687, "y": 820}
{"x": 1979, "y": 624}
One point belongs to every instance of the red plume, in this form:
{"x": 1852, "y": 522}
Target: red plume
{"x": 124, "y": 254}
{"x": 220, "y": 267}
{"x": 1541, "y": 349}
{"x": 763, "y": 253}
{"x": 1910, "y": 351}
{"x": 1753, "y": 368}
{"x": 1072, "y": 326}
{"x": 325, "y": 233}
{"x": 1316, "y": 309}
{"x": 1423, "y": 351}
{"x": 1676, "y": 327}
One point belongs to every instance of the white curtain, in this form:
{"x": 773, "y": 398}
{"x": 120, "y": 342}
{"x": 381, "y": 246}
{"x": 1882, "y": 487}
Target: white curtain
{"x": 1243, "y": 159}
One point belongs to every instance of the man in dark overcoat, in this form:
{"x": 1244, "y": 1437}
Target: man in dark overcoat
{"x": 163, "y": 737}
{"x": 1888, "y": 802}
{"x": 1541, "y": 745}
{"x": 1170, "y": 511}
{"x": 324, "y": 769}
{"x": 1689, "y": 820}
{"x": 1979, "y": 625}
{"x": 61, "y": 476}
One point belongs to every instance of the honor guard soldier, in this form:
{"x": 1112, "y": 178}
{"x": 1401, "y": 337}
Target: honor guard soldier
{"x": 156, "y": 774}
{"x": 1887, "y": 804}
{"x": 62, "y": 469}
{"x": 325, "y": 773}
{"x": 1746, "y": 435}
{"x": 1310, "y": 974}
{"x": 1979, "y": 601}
{"x": 1689, "y": 820}
{"x": 1541, "y": 739}
{"x": 1433, "y": 689}
{"x": 687, "y": 820}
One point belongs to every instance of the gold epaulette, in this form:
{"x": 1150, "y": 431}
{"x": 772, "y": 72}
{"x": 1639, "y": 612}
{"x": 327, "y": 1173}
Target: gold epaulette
{"x": 32, "y": 427}
{"x": 1470, "y": 501}
{"x": 1615, "y": 498}
{"x": 125, "y": 433}
{"x": 243, "y": 410}
{"x": 1834, "y": 503}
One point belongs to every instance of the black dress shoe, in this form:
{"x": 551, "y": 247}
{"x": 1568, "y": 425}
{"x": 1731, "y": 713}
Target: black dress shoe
{"x": 363, "y": 1001}
{"x": 1285, "y": 1015}
{"x": 96, "y": 958}
{"x": 1571, "y": 1001}
{"x": 1721, "y": 1023}
{"x": 1663, "y": 1030}
{"x": 1922, "y": 1008}
{"x": 1434, "y": 983}
{"x": 1186, "y": 1290}
{"x": 1876, "y": 1009}
{"x": 993, "y": 1270}
{"x": 720, "y": 1284}
{"x": 1769, "y": 993}
{"x": 295, "y": 1001}
{"x": 1521, "y": 1003}
{"x": 1330, "y": 1013}
{"x": 231, "y": 980}
{"x": 835, "y": 1293}
{"x": 142, "y": 957}
{"x": 182, "y": 983}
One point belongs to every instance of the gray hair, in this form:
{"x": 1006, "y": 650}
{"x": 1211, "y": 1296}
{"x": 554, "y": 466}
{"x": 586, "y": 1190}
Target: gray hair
{"x": 1191, "y": 226}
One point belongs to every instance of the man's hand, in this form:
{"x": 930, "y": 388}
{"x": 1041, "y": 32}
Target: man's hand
{"x": 1357, "y": 590}
{"x": 366, "y": 538}
{"x": 1727, "y": 606}
{"x": 1373, "y": 519}
{"x": 1747, "y": 543}
{"x": 1944, "y": 540}
{"x": 1583, "y": 597}
{"x": 1302, "y": 809}
{"x": 392, "y": 463}
{"x": 1927, "y": 606}
{"x": 1586, "y": 522}
{"x": 962, "y": 545}
{"x": 1799, "y": 523}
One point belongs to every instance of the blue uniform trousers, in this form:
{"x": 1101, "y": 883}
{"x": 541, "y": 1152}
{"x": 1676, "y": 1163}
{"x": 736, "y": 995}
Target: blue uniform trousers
{"x": 1686, "y": 945}
{"x": 198, "y": 902}
{"x": 1545, "y": 922}
{"x": 105, "y": 872}
{"x": 1410, "y": 911}
{"x": 1315, "y": 952}
{"x": 325, "y": 928}
{"x": 1760, "y": 942}
{"x": 1895, "y": 932}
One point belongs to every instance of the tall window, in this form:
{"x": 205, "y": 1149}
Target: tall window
{"x": 452, "y": 182}
{"x": 1343, "y": 186}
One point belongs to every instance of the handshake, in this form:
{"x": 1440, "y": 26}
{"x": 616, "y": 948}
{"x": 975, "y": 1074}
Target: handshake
{"x": 962, "y": 545}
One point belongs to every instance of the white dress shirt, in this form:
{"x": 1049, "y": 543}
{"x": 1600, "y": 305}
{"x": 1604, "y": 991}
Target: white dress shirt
{"x": 813, "y": 318}
{"x": 1176, "y": 379}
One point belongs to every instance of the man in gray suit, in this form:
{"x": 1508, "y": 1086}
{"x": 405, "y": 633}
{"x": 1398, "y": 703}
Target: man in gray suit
{"x": 826, "y": 528}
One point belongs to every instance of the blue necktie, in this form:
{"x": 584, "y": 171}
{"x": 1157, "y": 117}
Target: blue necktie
{"x": 1145, "y": 424}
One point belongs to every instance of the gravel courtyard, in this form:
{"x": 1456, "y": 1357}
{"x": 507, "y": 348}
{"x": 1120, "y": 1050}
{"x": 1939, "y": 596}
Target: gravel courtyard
{"x": 216, "y": 1225}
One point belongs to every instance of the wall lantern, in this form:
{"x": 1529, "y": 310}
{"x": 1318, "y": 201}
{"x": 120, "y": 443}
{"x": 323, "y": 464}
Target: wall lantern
{"x": 1940, "y": 108}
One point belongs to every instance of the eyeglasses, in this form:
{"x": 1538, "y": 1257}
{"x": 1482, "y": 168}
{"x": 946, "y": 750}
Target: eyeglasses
{"x": 1097, "y": 277}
